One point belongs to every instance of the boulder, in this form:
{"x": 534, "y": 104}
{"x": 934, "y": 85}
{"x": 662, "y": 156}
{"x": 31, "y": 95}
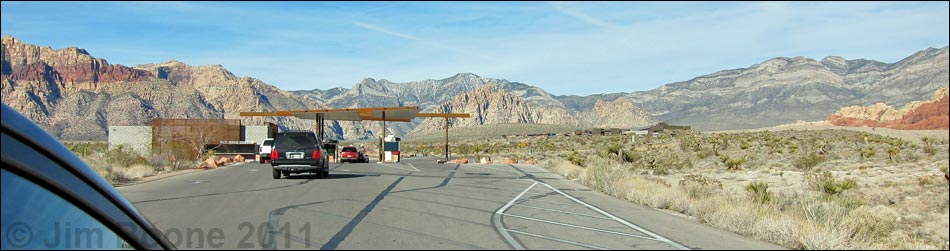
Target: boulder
{"x": 508, "y": 161}
{"x": 459, "y": 161}
{"x": 209, "y": 163}
{"x": 238, "y": 158}
{"x": 222, "y": 160}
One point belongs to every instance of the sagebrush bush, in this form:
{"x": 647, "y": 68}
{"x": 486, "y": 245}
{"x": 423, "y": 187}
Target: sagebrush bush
{"x": 806, "y": 162}
{"x": 631, "y": 156}
{"x": 871, "y": 223}
{"x": 699, "y": 186}
{"x": 577, "y": 159}
{"x": 87, "y": 148}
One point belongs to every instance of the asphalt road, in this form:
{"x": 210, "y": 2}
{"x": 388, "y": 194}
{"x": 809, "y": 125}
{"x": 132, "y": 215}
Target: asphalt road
{"x": 414, "y": 204}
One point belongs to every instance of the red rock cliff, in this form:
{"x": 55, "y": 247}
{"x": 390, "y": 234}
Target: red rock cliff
{"x": 926, "y": 115}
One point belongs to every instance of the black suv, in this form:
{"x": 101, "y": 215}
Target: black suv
{"x": 298, "y": 152}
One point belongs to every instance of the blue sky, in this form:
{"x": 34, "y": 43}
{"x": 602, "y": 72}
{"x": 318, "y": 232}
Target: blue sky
{"x": 566, "y": 48}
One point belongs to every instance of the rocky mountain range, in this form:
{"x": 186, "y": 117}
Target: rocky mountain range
{"x": 76, "y": 96}
{"x": 785, "y": 90}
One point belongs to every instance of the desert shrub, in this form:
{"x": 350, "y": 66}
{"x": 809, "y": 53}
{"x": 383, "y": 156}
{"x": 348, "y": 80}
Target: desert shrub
{"x": 926, "y": 180}
{"x": 892, "y": 153}
{"x": 661, "y": 162}
{"x": 123, "y": 156}
{"x": 653, "y": 163}
{"x": 699, "y": 186}
{"x": 689, "y": 143}
{"x": 825, "y": 212}
{"x": 733, "y": 164}
{"x": 826, "y": 183}
{"x": 759, "y": 191}
{"x": 87, "y": 148}
{"x": 927, "y": 141}
{"x": 872, "y": 223}
{"x": 168, "y": 162}
{"x": 930, "y": 150}
{"x": 745, "y": 145}
{"x": 793, "y": 148}
{"x": 808, "y": 161}
{"x": 631, "y": 156}
{"x": 704, "y": 153}
{"x": 866, "y": 153}
{"x": 614, "y": 148}
{"x": 577, "y": 159}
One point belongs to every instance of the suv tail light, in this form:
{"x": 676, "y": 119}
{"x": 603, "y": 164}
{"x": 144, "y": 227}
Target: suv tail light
{"x": 316, "y": 154}
{"x": 273, "y": 154}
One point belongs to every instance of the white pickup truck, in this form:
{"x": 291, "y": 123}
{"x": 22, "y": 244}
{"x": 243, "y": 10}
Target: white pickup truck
{"x": 264, "y": 149}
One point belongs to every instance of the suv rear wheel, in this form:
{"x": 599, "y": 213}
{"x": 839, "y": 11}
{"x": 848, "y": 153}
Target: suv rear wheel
{"x": 276, "y": 174}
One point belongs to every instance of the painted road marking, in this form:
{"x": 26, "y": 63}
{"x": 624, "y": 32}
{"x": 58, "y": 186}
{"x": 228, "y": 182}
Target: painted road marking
{"x": 498, "y": 169}
{"x": 413, "y": 167}
{"x": 400, "y": 168}
{"x": 615, "y": 218}
{"x": 504, "y": 232}
{"x": 496, "y": 220}
{"x": 564, "y": 212}
{"x": 580, "y": 227}
{"x": 558, "y": 240}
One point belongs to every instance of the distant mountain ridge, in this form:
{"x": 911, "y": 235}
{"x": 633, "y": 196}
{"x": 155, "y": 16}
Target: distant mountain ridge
{"x": 76, "y": 96}
{"x": 784, "y": 90}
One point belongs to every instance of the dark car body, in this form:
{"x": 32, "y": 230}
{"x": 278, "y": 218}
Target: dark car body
{"x": 46, "y": 186}
{"x": 351, "y": 154}
{"x": 298, "y": 152}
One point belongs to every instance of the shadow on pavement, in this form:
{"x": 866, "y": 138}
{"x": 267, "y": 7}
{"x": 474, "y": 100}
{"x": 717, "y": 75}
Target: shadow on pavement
{"x": 332, "y": 176}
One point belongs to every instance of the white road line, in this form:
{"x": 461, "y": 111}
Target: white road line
{"x": 581, "y": 227}
{"x": 498, "y": 169}
{"x": 628, "y": 224}
{"x": 547, "y": 201}
{"x": 413, "y": 167}
{"x": 564, "y": 212}
{"x": 557, "y": 240}
{"x": 496, "y": 220}
{"x": 398, "y": 167}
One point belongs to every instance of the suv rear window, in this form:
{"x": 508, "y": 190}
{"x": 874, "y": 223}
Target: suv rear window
{"x": 268, "y": 142}
{"x": 295, "y": 140}
{"x": 349, "y": 149}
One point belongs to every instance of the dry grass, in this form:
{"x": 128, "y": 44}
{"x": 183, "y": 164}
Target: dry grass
{"x": 120, "y": 165}
{"x": 825, "y": 188}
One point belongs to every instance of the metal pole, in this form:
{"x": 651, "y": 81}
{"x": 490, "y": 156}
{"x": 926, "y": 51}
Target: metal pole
{"x": 446, "y": 139}
{"x": 316, "y": 126}
{"x": 382, "y": 139}
{"x": 321, "y": 131}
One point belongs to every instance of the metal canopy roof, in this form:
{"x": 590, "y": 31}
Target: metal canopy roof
{"x": 401, "y": 114}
